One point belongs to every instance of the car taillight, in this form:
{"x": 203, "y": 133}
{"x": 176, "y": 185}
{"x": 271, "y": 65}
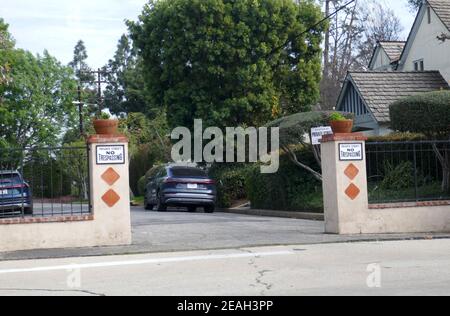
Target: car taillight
{"x": 171, "y": 180}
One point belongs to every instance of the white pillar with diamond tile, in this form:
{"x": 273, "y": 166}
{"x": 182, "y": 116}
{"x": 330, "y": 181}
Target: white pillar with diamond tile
{"x": 110, "y": 195}
{"x": 344, "y": 182}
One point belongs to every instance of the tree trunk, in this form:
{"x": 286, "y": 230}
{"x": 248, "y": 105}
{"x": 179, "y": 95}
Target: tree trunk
{"x": 444, "y": 159}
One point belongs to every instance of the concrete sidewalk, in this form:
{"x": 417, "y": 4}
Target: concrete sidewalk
{"x": 175, "y": 231}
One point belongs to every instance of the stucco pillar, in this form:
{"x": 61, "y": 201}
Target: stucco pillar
{"x": 110, "y": 195}
{"x": 344, "y": 182}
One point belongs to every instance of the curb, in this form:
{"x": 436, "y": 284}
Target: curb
{"x": 271, "y": 213}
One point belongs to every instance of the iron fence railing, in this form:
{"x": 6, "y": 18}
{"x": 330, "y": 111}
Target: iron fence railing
{"x": 44, "y": 182}
{"x": 408, "y": 171}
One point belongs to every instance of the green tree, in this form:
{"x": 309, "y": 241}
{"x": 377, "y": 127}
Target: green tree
{"x": 125, "y": 91}
{"x": 148, "y": 143}
{"x": 229, "y": 62}
{"x": 6, "y": 45}
{"x": 79, "y": 64}
{"x": 36, "y": 104}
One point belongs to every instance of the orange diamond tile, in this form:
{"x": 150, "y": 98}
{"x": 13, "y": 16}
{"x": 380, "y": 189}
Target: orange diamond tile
{"x": 110, "y": 176}
{"x": 111, "y": 198}
{"x": 352, "y": 191}
{"x": 351, "y": 172}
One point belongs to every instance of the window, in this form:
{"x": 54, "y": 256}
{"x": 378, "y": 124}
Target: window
{"x": 429, "y": 15}
{"x": 180, "y": 172}
{"x": 419, "y": 65}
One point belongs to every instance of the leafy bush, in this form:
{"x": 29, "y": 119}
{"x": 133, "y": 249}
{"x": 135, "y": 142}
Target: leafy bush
{"x": 141, "y": 185}
{"x": 427, "y": 113}
{"x": 291, "y": 188}
{"x": 398, "y": 177}
{"x": 337, "y": 117}
{"x": 230, "y": 181}
{"x": 397, "y": 137}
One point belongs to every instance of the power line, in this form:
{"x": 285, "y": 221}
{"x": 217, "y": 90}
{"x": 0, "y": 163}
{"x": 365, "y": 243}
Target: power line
{"x": 313, "y": 26}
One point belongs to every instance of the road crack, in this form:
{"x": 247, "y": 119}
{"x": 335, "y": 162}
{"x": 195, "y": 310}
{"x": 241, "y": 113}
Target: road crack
{"x": 261, "y": 274}
{"x": 52, "y": 291}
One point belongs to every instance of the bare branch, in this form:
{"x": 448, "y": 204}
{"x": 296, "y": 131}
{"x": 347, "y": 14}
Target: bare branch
{"x": 295, "y": 160}
{"x": 443, "y": 37}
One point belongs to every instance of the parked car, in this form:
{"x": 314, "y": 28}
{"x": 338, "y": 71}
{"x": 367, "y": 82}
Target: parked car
{"x": 15, "y": 193}
{"x": 181, "y": 186}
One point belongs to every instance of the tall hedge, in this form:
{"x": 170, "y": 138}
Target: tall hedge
{"x": 427, "y": 113}
{"x": 291, "y": 188}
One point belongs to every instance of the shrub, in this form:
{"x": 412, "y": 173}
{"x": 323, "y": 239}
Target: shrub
{"x": 141, "y": 185}
{"x": 230, "y": 181}
{"x": 291, "y": 188}
{"x": 428, "y": 114}
{"x": 397, "y": 137}
{"x": 398, "y": 177}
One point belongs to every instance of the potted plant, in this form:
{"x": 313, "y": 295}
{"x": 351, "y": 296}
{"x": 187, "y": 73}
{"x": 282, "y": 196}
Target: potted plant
{"x": 340, "y": 124}
{"x": 104, "y": 125}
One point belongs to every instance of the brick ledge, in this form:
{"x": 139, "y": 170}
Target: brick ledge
{"x": 343, "y": 137}
{"x": 408, "y": 204}
{"x": 43, "y": 220}
{"x": 105, "y": 139}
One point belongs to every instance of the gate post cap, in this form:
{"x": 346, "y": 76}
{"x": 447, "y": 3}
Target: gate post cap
{"x": 344, "y": 137}
{"x": 104, "y": 139}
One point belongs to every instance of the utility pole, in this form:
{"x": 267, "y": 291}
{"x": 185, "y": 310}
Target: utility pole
{"x": 80, "y": 110}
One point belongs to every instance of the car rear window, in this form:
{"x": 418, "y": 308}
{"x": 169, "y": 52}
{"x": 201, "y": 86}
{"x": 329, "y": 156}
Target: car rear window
{"x": 188, "y": 172}
{"x": 10, "y": 179}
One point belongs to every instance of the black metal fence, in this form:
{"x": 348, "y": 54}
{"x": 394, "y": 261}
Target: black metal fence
{"x": 408, "y": 171}
{"x": 44, "y": 182}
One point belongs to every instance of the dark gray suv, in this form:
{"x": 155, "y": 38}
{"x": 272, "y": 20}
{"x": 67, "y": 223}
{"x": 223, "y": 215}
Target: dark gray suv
{"x": 180, "y": 186}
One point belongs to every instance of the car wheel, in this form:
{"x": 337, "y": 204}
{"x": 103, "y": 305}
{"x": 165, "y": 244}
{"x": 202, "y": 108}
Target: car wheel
{"x": 209, "y": 209}
{"x": 148, "y": 207}
{"x": 28, "y": 210}
{"x": 192, "y": 209}
{"x": 160, "y": 207}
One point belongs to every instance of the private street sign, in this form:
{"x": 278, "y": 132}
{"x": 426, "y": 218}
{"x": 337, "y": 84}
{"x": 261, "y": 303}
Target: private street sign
{"x": 110, "y": 155}
{"x": 318, "y": 132}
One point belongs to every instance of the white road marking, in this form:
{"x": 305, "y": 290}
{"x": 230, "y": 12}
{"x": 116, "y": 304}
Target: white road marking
{"x": 147, "y": 261}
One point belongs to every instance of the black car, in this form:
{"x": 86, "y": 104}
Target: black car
{"x": 15, "y": 193}
{"x": 180, "y": 186}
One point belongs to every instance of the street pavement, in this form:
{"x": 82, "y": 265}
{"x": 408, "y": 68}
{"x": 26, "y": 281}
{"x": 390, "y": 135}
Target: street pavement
{"x": 181, "y": 231}
{"x": 376, "y": 268}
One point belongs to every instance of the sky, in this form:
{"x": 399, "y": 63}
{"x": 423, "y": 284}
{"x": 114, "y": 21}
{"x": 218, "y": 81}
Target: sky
{"x": 57, "y": 25}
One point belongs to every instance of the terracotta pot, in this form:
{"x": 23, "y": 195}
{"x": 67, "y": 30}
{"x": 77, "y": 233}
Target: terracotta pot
{"x": 106, "y": 127}
{"x": 342, "y": 127}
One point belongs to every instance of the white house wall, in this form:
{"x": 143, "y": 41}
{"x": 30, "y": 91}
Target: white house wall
{"x": 426, "y": 46}
{"x": 382, "y": 61}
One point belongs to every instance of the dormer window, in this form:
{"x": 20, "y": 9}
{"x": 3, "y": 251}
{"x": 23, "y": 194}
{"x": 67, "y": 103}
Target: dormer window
{"x": 419, "y": 65}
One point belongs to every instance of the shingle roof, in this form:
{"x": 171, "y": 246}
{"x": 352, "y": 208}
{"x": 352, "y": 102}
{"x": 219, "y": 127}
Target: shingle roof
{"x": 442, "y": 9}
{"x": 393, "y": 49}
{"x": 380, "y": 89}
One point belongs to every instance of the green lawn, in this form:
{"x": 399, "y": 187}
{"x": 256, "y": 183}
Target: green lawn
{"x": 139, "y": 200}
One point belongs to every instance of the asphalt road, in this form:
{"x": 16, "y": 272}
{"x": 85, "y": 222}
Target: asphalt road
{"x": 384, "y": 268}
{"x": 181, "y": 231}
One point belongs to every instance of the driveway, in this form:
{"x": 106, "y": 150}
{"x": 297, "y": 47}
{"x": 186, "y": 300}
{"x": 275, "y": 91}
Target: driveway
{"x": 182, "y": 231}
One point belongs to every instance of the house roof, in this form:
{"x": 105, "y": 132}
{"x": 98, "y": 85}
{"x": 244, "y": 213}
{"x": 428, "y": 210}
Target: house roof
{"x": 393, "y": 49}
{"x": 380, "y": 89}
{"x": 442, "y": 9}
